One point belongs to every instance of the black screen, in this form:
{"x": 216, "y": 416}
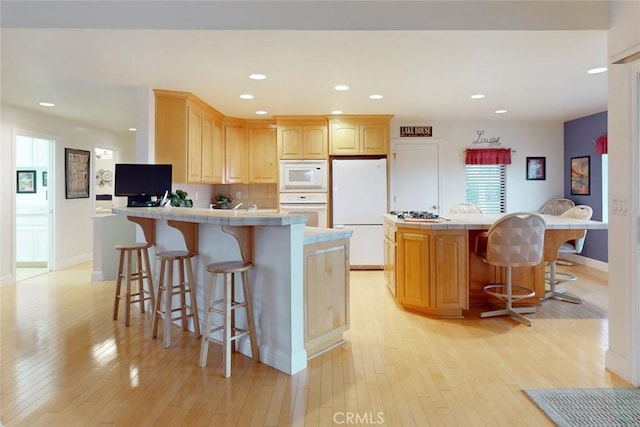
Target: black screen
{"x": 141, "y": 180}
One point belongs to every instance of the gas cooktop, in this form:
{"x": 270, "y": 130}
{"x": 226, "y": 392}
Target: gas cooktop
{"x": 416, "y": 215}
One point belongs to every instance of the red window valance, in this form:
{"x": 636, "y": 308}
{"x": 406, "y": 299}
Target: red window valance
{"x": 488, "y": 156}
{"x": 602, "y": 146}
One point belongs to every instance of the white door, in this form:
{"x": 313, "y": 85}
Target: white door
{"x": 415, "y": 176}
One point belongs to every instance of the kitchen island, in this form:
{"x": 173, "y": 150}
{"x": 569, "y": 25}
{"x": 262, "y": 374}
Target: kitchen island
{"x": 293, "y": 322}
{"x": 431, "y": 265}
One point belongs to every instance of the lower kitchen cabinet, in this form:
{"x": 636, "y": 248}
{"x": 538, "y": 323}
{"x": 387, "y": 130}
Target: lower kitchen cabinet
{"x": 431, "y": 271}
{"x": 326, "y": 295}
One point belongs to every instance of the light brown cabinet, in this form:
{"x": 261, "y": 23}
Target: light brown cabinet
{"x": 302, "y": 137}
{"x": 431, "y": 268}
{"x": 189, "y": 137}
{"x": 263, "y": 155}
{"x": 326, "y": 295}
{"x": 236, "y": 149}
{"x": 250, "y": 151}
{"x": 359, "y": 135}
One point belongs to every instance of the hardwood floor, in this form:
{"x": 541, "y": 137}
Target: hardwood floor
{"x": 64, "y": 361}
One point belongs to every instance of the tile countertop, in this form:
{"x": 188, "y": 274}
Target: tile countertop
{"x": 238, "y": 218}
{"x": 484, "y": 221}
{"x": 215, "y": 216}
{"x": 318, "y": 235}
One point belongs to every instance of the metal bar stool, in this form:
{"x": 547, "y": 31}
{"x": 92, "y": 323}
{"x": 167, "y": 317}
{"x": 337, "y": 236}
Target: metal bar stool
{"x": 169, "y": 289}
{"x": 139, "y": 274}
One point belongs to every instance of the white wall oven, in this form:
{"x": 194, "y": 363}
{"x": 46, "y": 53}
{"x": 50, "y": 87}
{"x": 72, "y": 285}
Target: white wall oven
{"x": 313, "y": 205}
{"x": 303, "y": 176}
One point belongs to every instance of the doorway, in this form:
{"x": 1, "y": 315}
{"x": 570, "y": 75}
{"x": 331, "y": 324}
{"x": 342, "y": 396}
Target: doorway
{"x": 33, "y": 204}
{"x": 415, "y": 172}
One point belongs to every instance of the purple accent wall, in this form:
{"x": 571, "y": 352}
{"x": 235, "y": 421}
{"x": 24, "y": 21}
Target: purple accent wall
{"x": 579, "y": 140}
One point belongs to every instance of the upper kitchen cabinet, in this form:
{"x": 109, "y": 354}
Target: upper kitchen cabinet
{"x": 189, "y": 137}
{"x": 302, "y": 137}
{"x": 359, "y": 135}
{"x": 236, "y": 151}
{"x": 262, "y": 151}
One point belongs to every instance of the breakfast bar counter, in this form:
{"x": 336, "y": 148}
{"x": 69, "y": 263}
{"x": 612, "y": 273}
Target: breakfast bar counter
{"x": 431, "y": 265}
{"x": 277, "y": 245}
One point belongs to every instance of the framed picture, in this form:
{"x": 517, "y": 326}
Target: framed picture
{"x": 26, "y": 181}
{"x": 44, "y": 178}
{"x": 76, "y": 173}
{"x": 536, "y": 168}
{"x": 580, "y": 175}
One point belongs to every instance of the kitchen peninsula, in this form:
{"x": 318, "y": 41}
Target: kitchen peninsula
{"x": 431, "y": 266}
{"x": 300, "y": 279}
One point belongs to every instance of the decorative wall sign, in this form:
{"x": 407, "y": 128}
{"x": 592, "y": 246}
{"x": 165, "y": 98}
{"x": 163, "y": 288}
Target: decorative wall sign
{"x": 494, "y": 141}
{"x": 416, "y": 131}
{"x": 26, "y": 182}
{"x": 536, "y": 168}
{"x": 76, "y": 173}
{"x": 580, "y": 175}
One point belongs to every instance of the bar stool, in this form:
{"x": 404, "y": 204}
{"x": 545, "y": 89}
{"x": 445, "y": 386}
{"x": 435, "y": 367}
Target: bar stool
{"x": 226, "y": 307}
{"x": 127, "y": 272}
{"x": 169, "y": 289}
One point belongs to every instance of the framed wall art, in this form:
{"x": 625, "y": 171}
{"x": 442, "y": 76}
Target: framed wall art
{"x": 536, "y": 168}
{"x": 76, "y": 173}
{"x": 580, "y": 176}
{"x": 26, "y": 181}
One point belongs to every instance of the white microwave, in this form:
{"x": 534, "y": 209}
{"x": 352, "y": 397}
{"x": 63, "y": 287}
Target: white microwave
{"x": 303, "y": 175}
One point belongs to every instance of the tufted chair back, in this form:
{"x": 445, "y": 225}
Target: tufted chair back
{"x": 463, "y": 208}
{"x": 516, "y": 240}
{"x": 557, "y": 206}
{"x": 578, "y": 212}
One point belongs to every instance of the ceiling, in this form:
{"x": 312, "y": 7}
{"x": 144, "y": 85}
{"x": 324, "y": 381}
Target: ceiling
{"x": 95, "y": 75}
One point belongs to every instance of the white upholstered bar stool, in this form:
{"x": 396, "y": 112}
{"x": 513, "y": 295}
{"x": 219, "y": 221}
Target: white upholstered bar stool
{"x": 464, "y": 208}
{"x": 556, "y": 207}
{"x": 553, "y": 277}
{"x": 167, "y": 289}
{"x": 132, "y": 274}
{"x": 515, "y": 240}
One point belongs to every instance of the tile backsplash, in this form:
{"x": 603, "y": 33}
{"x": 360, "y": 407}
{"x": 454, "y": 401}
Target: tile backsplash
{"x": 265, "y": 196}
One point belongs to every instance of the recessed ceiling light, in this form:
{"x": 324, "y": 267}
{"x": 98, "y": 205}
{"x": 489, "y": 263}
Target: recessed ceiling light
{"x": 133, "y": 129}
{"x": 341, "y": 87}
{"x": 477, "y": 96}
{"x": 501, "y": 111}
{"x": 597, "y": 70}
{"x": 336, "y": 112}
{"x": 376, "y": 96}
{"x": 257, "y": 76}
{"x": 261, "y": 112}
{"x": 246, "y": 96}
{"x": 47, "y": 104}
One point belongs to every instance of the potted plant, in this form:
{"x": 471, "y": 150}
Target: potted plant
{"x": 179, "y": 199}
{"x": 222, "y": 201}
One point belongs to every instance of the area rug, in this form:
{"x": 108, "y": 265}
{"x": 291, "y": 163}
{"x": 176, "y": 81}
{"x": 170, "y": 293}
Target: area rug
{"x": 601, "y": 407}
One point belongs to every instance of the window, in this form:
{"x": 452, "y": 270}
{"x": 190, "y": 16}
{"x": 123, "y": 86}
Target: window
{"x": 486, "y": 187}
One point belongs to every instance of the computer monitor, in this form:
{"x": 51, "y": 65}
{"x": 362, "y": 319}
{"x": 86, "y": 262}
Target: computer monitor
{"x": 141, "y": 183}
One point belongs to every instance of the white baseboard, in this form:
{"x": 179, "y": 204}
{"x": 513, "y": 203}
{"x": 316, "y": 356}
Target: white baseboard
{"x": 587, "y": 262}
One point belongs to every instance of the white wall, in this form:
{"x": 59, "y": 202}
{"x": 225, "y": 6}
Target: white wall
{"x": 528, "y": 139}
{"x": 624, "y": 333}
{"x": 73, "y": 224}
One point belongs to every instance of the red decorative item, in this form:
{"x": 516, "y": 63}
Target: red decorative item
{"x": 488, "y": 156}
{"x": 602, "y": 146}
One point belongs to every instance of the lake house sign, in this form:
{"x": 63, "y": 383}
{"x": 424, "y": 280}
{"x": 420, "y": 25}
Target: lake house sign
{"x": 416, "y": 131}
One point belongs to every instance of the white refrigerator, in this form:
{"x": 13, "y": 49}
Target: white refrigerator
{"x": 359, "y": 201}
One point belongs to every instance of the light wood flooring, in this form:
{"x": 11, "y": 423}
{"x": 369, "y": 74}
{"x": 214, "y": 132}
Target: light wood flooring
{"x": 65, "y": 362}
